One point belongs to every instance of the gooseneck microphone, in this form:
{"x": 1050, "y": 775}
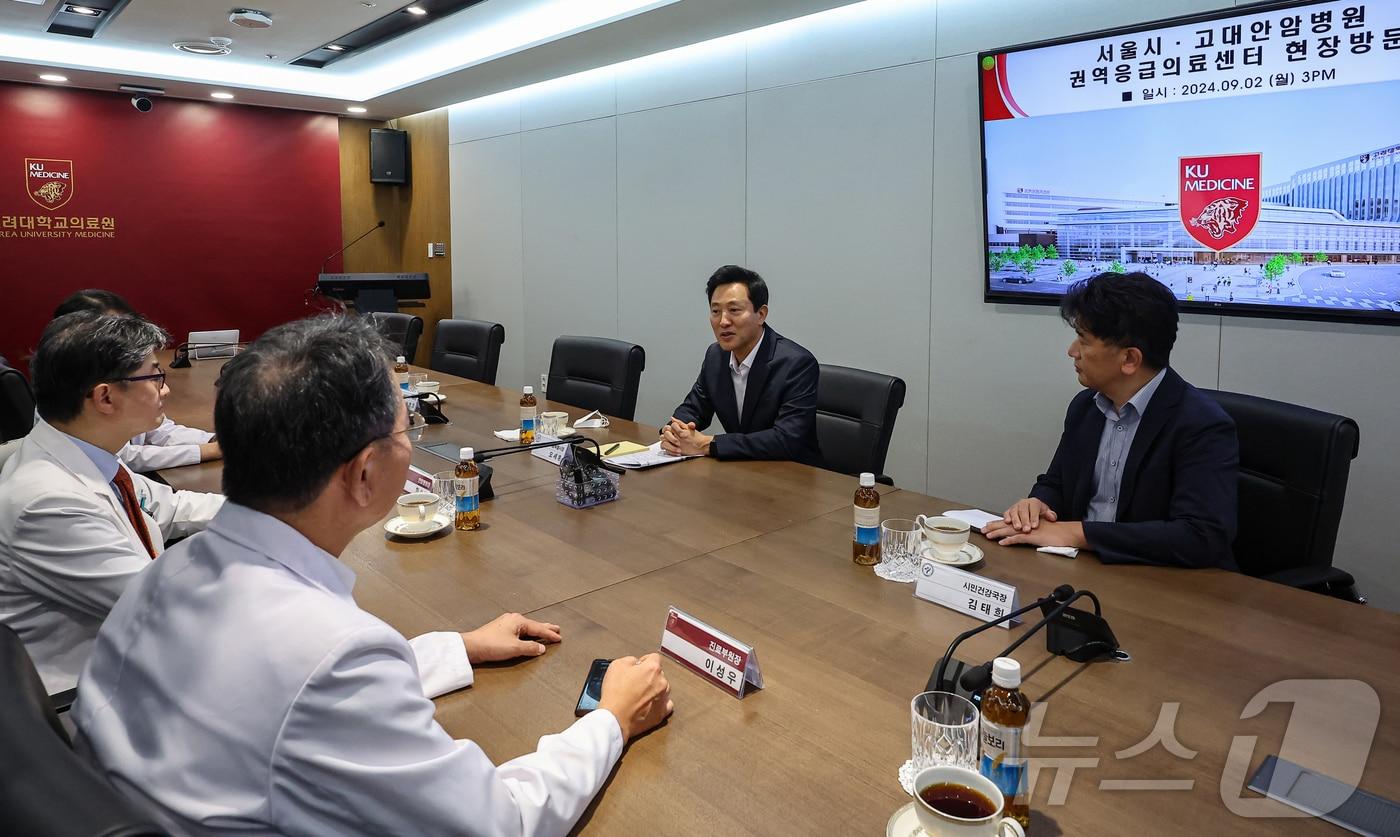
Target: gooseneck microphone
{"x": 351, "y": 244}
{"x": 977, "y": 678}
{"x": 1060, "y": 595}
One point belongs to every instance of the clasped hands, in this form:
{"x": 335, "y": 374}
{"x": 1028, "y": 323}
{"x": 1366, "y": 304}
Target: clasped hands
{"x": 1032, "y": 522}
{"x": 635, "y": 690}
{"x": 682, "y": 439}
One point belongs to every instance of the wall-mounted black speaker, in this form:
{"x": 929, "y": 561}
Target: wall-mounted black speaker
{"x": 388, "y": 156}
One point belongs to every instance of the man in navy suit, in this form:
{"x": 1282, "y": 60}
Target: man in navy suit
{"x": 761, "y": 385}
{"x": 1147, "y": 467}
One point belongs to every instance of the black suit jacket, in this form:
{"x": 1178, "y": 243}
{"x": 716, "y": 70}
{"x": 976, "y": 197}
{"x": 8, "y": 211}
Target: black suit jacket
{"x": 1176, "y": 503}
{"x": 780, "y": 403}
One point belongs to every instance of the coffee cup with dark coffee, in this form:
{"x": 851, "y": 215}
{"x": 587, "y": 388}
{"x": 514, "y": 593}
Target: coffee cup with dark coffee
{"x": 947, "y": 534}
{"x": 418, "y": 506}
{"x": 957, "y": 802}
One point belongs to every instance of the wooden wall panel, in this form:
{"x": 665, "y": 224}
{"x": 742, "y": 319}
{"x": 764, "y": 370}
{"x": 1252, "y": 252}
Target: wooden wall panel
{"x": 415, "y": 214}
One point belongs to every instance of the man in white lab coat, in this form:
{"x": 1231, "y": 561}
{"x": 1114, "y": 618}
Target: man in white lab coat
{"x": 169, "y": 445}
{"x": 75, "y": 524}
{"x": 237, "y": 687}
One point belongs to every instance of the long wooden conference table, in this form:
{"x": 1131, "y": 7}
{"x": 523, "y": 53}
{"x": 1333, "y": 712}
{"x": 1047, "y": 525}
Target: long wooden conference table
{"x": 761, "y": 550}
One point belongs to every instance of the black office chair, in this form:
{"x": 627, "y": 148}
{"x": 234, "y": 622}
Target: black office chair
{"x": 401, "y": 330}
{"x": 856, "y": 410}
{"x": 468, "y": 349}
{"x": 45, "y": 787}
{"x": 597, "y": 373}
{"x": 1294, "y": 463}
{"x": 16, "y": 405}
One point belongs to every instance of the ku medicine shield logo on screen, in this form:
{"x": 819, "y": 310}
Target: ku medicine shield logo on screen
{"x": 1220, "y": 198}
{"x": 49, "y": 183}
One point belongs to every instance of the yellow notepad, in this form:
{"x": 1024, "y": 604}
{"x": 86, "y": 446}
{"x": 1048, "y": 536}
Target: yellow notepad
{"x": 621, "y": 448}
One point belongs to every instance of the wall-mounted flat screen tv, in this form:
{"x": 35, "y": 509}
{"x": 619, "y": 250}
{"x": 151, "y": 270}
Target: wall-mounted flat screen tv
{"x": 1249, "y": 160}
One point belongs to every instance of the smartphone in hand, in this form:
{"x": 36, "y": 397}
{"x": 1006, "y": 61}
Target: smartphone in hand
{"x": 592, "y": 688}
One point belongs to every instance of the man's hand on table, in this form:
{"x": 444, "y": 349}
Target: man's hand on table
{"x": 502, "y": 639}
{"x": 682, "y": 439}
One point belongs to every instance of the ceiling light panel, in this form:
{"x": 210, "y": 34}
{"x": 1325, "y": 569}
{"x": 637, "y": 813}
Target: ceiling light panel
{"x": 477, "y": 35}
{"x": 83, "y": 20}
{"x": 383, "y": 29}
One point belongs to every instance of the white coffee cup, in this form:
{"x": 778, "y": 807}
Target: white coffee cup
{"x": 418, "y": 506}
{"x": 947, "y": 534}
{"x": 938, "y": 824}
{"x": 427, "y": 387}
{"x": 553, "y": 422}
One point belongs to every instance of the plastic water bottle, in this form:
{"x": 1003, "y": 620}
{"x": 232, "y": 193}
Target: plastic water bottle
{"x": 528, "y": 405}
{"x": 865, "y": 547}
{"x": 467, "y": 484}
{"x": 1005, "y": 711}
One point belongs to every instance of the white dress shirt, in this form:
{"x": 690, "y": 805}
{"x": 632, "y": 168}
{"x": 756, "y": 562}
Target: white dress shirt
{"x": 168, "y": 446}
{"x": 739, "y": 373}
{"x": 237, "y": 687}
{"x": 68, "y": 549}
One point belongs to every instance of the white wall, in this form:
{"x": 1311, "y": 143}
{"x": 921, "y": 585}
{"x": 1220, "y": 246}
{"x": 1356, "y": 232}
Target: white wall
{"x": 838, "y": 156}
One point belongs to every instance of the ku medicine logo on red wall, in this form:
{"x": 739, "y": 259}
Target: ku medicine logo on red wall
{"x": 1220, "y": 198}
{"x": 48, "y": 182}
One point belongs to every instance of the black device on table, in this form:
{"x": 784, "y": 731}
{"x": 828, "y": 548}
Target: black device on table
{"x": 592, "y": 688}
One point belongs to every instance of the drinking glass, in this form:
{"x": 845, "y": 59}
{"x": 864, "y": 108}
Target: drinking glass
{"x": 901, "y": 545}
{"x": 944, "y": 730}
{"x": 445, "y": 486}
{"x": 414, "y": 379}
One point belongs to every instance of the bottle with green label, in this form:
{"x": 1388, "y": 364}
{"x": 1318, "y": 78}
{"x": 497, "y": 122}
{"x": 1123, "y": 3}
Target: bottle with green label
{"x": 865, "y": 547}
{"x": 1005, "y": 711}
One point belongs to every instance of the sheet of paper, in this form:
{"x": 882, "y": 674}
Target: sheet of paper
{"x": 976, "y": 518}
{"x": 646, "y": 458}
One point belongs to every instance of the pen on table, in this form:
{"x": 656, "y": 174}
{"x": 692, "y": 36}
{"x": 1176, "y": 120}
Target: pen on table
{"x": 613, "y": 448}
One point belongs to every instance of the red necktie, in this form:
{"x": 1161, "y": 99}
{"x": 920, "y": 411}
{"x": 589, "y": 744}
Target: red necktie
{"x": 133, "y": 509}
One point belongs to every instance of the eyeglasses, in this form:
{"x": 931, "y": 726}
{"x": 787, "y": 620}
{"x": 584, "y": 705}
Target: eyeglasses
{"x": 414, "y": 430}
{"x": 158, "y": 377}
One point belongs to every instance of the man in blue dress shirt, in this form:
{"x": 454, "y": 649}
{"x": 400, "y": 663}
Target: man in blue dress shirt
{"x": 1146, "y": 469}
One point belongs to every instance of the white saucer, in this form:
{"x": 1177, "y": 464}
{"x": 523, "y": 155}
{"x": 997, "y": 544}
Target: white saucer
{"x": 435, "y": 397}
{"x": 970, "y": 553}
{"x": 567, "y": 432}
{"x": 402, "y": 528}
{"x": 905, "y": 823}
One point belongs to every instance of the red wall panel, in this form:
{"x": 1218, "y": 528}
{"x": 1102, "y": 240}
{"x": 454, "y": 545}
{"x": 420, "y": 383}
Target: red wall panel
{"x": 221, "y": 214}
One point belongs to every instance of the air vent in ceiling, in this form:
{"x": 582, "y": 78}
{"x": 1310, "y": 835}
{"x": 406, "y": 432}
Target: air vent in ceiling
{"x": 213, "y": 46}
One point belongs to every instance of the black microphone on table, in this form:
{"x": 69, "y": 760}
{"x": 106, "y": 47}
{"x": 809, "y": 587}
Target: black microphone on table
{"x": 1072, "y": 633}
{"x": 977, "y": 678}
{"x": 351, "y": 244}
{"x": 182, "y": 352}
{"x": 587, "y": 457}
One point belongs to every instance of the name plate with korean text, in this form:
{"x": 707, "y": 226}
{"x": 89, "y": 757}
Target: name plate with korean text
{"x": 712, "y": 654}
{"x": 966, "y": 592}
{"x": 418, "y": 480}
{"x": 553, "y": 455}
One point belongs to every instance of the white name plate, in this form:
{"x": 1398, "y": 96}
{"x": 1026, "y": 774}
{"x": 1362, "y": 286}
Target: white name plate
{"x": 554, "y": 454}
{"x": 714, "y": 655}
{"x": 966, "y": 592}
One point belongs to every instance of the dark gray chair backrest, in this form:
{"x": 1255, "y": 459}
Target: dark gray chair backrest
{"x": 856, "y": 410}
{"x": 45, "y": 787}
{"x": 468, "y": 349}
{"x": 597, "y": 373}
{"x": 16, "y": 405}
{"x": 1294, "y": 464}
{"x": 401, "y": 329}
